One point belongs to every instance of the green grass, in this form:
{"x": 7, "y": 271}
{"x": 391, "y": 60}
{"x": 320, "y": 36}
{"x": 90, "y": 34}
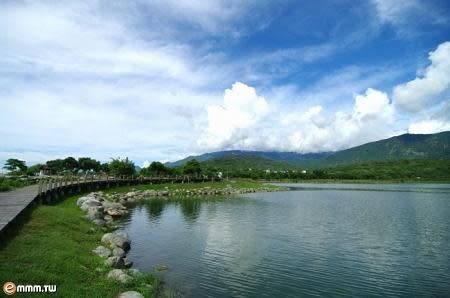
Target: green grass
{"x": 7, "y": 184}
{"x": 220, "y": 185}
{"x": 54, "y": 246}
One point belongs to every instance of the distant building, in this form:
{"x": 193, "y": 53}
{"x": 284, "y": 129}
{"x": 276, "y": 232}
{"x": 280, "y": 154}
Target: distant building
{"x": 303, "y": 171}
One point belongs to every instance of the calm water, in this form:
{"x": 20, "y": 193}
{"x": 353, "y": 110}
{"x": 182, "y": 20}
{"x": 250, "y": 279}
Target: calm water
{"x": 319, "y": 240}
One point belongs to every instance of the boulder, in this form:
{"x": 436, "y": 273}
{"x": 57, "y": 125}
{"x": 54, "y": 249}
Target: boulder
{"x": 135, "y": 272}
{"x": 108, "y": 218}
{"x": 99, "y": 222}
{"x": 116, "y": 212}
{"x": 131, "y": 294}
{"x": 127, "y": 263}
{"x": 102, "y": 251}
{"x": 118, "y": 252}
{"x": 83, "y": 199}
{"x": 119, "y": 275}
{"x": 119, "y": 239}
{"x": 113, "y": 205}
{"x": 95, "y": 212}
{"x": 90, "y": 203}
{"x": 115, "y": 262}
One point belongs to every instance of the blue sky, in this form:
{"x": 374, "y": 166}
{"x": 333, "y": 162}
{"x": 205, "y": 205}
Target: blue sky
{"x": 159, "y": 80}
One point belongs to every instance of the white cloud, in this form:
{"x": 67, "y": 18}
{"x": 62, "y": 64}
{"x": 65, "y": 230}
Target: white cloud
{"x": 420, "y": 92}
{"x": 249, "y": 124}
{"x": 428, "y": 126}
{"x": 241, "y": 109}
{"x": 408, "y": 18}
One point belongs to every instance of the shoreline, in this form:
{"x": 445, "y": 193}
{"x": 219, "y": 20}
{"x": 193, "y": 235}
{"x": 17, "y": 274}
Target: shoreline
{"x": 54, "y": 244}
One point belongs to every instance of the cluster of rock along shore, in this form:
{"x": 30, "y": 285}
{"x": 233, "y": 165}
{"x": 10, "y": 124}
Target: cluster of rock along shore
{"x": 102, "y": 209}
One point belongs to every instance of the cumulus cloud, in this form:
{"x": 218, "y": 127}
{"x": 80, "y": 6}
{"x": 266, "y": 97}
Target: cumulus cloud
{"x": 418, "y": 93}
{"x": 245, "y": 122}
{"x": 241, "y": 108}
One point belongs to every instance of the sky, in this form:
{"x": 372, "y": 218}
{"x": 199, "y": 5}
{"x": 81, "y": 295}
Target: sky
{"x": 161, "y": 80}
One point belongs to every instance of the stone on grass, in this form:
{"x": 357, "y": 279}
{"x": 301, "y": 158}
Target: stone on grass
{"x": 119, "y": 275}
{"x": 118, "y": 252}
{"x": 99, "y": 222}
{"x": 115, "y": 262}
{"x": 131, "y": 294}
{"x": 95, "y": 212}
{"x": 135, "y": 272}
{"x": 119, "y": 239}
{"x": 127, "y": 263}
{"x": 83, "y": 199}
{"x": 90, "y": 203}
{"x": 102, "y": 251}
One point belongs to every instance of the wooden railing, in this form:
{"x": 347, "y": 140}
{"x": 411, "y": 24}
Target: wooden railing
{"x": 72, "y": 184}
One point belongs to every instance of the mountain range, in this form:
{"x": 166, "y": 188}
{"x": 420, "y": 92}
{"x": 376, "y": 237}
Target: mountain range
{"x": 406, "y": 146}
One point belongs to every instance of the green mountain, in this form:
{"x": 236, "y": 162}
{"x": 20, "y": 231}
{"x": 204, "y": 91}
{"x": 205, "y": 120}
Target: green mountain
{"x": 402, "y": 147}
{"x": 247, "y": 162}
{"x": 407, "y": 146}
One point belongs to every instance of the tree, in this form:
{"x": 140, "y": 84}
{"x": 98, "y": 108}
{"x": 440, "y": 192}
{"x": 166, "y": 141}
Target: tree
{"x": 34, "y": 169}
{"x": 122, "y": 167}
{"x": 192, "y": 167}
{"x": 70, "y": 164}
{"x": 15, "y": 165}
{"x": 55, "y": 166}
{"x": 87, "y": 164}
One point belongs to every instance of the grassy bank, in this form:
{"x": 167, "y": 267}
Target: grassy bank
{"x": 54, "y": 246}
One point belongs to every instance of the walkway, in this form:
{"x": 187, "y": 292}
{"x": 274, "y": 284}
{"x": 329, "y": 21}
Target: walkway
{"x": 12, "y": 203}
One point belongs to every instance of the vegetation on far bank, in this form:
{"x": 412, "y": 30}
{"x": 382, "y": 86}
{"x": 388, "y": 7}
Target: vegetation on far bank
{"x": 234, "y": 167}
{"x": 235, "y": 184}
{"x": 54, "y": 246}
{"x": 7, "y": 184}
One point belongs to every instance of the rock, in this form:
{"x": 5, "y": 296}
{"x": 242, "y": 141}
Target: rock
{"x": 119, "y": 239}
{"x": 135, "y": 272}
{"x": 90, "y": 203}
{"x": 119, "y": 275}
{"x": 115, "y": 262}
{"x": 127, "y": 263}
{"x": 95, "y": 212}
{"x": 113, "y": 205}
{"x": 162, "y": 268}
{"x": 131, "y": 294}
{"x": 102, "y": 251}
{"x": 130, "y": 194}
{"x": 116, "y": 212}
{"x": 99, "y": 222}
{"x": 108, "y": 218}
{"x": 163, "y": 193}
{"x": 118, "y": 252}
{"x": 83, "y": 199}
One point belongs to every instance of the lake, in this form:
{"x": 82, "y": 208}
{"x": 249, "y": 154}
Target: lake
{"x": 315, "y": 240}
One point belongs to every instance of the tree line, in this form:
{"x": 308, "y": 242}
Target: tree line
{"x": 83, "y": 165}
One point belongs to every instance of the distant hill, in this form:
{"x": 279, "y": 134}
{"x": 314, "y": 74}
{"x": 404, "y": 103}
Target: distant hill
{"x": 406, "y": 146}
{"x": 402, "y": 147}
{"x": 247, "y": 162}
{"x": 292, "y": 158}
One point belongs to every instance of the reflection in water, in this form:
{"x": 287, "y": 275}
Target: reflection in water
{"x": 329, "y": 242}
{"x": 190, "y": 209}
{"x": 155, "y": 208}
